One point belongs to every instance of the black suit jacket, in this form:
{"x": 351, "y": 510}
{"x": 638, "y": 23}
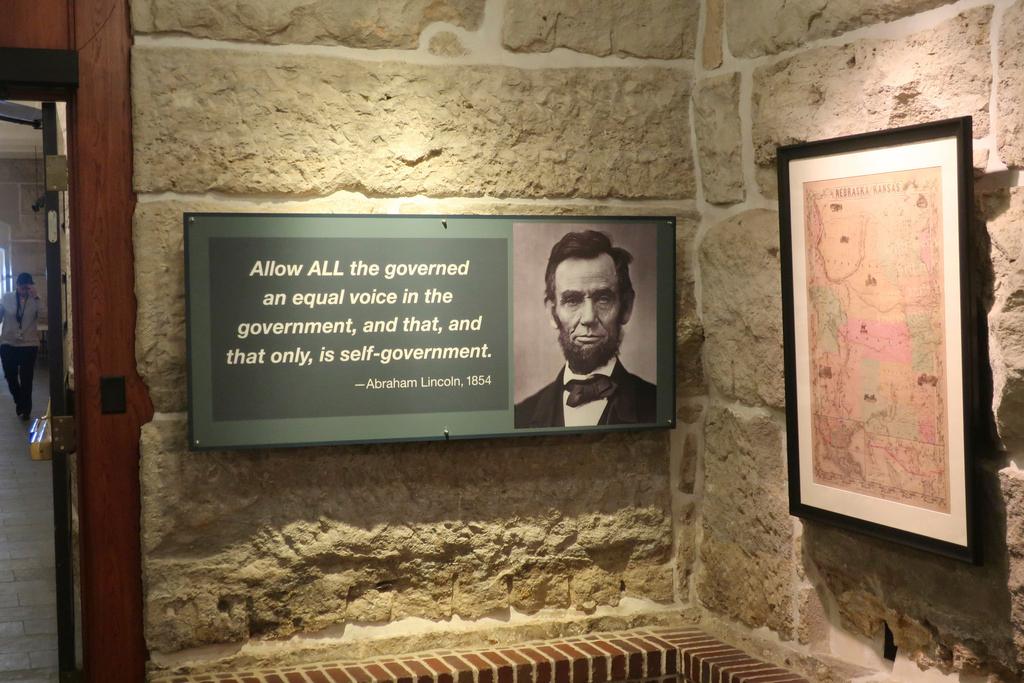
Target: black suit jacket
{"x": 634, "y": 402}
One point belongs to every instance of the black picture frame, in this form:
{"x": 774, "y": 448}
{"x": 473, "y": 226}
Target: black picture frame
{"x": 831, "y": 456}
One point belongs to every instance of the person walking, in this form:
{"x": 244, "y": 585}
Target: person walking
{"x": 19, "y": 341}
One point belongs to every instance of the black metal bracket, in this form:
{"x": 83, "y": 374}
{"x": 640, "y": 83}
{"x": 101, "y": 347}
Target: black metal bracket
{"x": 65, "y": 434}
{"x": 71, "y": 677}
{"x": 27, "y": 67}
{"x": 112, "y": 395}
{"x": 12, "y": 112}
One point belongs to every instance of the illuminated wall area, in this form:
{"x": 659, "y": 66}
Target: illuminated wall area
{"x": 21, "y": 228}
{"x": 638, "y": 107}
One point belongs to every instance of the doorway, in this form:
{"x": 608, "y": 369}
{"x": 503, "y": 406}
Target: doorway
{"x": 38, "y": 634}
{"x": 77, "y": 51}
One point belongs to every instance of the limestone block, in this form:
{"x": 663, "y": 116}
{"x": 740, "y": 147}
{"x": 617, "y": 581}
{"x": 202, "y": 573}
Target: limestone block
{"x": 592, "y": 586}
{"x": 771, "y": 26}
{"x": 742, "y": 308}
{"x": 1005, "y": 222}
{"x": 747, "y": 557}
{"x": 1007, "y": 334}
{"x": 1012, "y": 484}
{"x": 686, "y": 550}
{"x": 160, "y": 277}
{"x": 1011, "y": 87}
{"x": 661, "y": 29}
{"x": 650, "y": 581}
{"x": 268, "y": 544}
{"x": 158, "y": 240}
{"x": 689, "y": 356}
{"x": 714, "y": 18}
{"x": 874, "y": 85}
{"x": 244, "y": 122}
{"x": 688, "y": 463}
{"x": 813, "y": 626}
{"x": 1004, "y": 215}
{"x": 965, "y": 624}
{"x": 689, "y": 330}
{"x": 687, "y": 446}
{"x": 447, "y": 44}
{"x": 690, "y": 413}
{"x": 478, "y": 595}
{"x": 539, "y": 586}
{"x": 719, "y": 140}
{"x": 980, "y": 162}
{"x": 365, "y": 24}
{"x": 767, "y": 181}
{"x": 184, "y": 607}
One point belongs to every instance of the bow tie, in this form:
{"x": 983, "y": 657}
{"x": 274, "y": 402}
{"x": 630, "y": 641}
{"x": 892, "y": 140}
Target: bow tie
{"x": 591, "y": 389}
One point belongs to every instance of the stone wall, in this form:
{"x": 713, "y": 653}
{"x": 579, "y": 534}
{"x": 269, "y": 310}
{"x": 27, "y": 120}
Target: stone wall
{"x": 776, "y": 73}
{"x": 645, "y": 107}
{"x": 404, "y": 106}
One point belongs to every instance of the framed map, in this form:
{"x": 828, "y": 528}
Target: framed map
{"x": 879, "y": 325}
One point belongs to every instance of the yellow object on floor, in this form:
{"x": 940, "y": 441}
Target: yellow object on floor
{"x": 40, "y": 440}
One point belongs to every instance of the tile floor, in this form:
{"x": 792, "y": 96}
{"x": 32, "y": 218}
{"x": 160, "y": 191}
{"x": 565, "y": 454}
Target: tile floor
{"x": 28, "y": 612}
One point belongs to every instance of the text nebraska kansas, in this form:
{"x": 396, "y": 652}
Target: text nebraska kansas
{"x": 413, "y": 383}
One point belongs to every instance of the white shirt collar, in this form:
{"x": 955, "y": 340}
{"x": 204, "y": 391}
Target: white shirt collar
{"x": 605, "y": 369}
{"x": 590, "y": 413}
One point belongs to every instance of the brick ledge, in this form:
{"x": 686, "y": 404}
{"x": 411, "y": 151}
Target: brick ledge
{"x": 658, "y": 655}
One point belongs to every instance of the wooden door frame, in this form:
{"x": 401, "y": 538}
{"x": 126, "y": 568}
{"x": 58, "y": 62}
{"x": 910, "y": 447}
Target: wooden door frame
{"x": 103, "y": 314}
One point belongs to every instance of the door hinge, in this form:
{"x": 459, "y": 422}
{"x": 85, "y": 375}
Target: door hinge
{"x": 65, "y": 437}
{"x": 56, "y": 172}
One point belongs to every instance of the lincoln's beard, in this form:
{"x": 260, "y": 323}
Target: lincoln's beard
{"x": 585, "y": 358}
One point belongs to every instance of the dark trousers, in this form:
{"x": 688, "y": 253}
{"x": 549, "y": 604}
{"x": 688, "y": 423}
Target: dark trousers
{"x": 19, "y": 363}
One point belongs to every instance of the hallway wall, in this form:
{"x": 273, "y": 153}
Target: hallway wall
{"x": 21, "y": 184}
{"x": 309, "y": 109}
{"x": 776, "y": 73}
{"x": 523, "y": 107}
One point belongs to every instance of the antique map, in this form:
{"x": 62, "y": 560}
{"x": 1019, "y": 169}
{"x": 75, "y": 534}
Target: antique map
{"x": 876, "y": 336}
